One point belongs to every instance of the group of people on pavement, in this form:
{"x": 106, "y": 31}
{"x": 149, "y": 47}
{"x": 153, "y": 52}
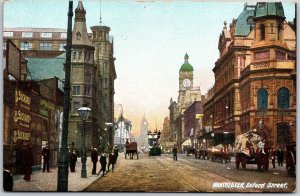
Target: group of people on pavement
{"x": 279, "y": 154}
{"x": 112, "y": 160}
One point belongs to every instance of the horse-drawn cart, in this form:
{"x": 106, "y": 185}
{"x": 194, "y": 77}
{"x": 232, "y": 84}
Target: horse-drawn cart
{"x": 131, "y": 149}
{"x": 250, "y": 149}
{"x": 219, "y": 153}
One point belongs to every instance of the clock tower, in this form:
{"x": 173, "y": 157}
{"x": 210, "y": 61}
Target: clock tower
{"x": 185, "y": 75}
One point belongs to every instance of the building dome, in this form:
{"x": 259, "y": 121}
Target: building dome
{"x": 244, "y": 23}
{"x": 186, "y": 66}
{"x": 264, "y": 9}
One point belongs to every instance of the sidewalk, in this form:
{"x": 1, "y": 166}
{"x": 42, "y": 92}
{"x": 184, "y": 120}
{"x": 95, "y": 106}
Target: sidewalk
{"x": 47, "y": 182}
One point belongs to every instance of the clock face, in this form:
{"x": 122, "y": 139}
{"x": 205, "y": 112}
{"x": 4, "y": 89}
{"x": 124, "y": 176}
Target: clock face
{"x": 186, "y": 83}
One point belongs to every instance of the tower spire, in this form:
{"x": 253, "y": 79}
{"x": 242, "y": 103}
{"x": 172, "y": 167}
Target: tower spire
{"x": 100, "y": 15}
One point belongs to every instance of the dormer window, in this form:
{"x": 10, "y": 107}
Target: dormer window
{"x": 262, "y": 31}
{"x": 78, "y": 35}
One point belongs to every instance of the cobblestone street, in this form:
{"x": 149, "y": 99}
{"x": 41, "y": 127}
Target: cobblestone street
{"x": 162, "y": 174}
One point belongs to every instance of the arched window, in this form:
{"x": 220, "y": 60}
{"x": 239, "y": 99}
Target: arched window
{"x": 262, "y": 31}
{"x": 283, "y": 98}
{"x": 279, "y": 31}
{"x": 262, "y": 99}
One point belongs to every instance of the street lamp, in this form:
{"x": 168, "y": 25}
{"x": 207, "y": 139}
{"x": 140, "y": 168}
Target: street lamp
{"x": 84, "y": 114}
{"x": 62, "y": 172}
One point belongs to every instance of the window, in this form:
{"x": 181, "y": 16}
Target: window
{"x": 280, "y": 55}
{"x": 61, "y": 47}
{"x": 262, "y": 31}
{"x": 26, "y": 46}
{"x": 262, "y": 99}
{"x": 105, "y": 83}
{"x": 45, "y": 46}
{"x": 263, "y": 55}
{"x": 76, "y": 90}
{"x": 76, "y": 106}
{"x": 78, "y": 35}
{"x": 279, "y": 31}
{"x": 283, "y": 98}
{"x": 63, "y": 35}
{"x": 4, "y": 45}
{"x": 49, "y": 35}
{"x": 27, "y": 34}
{"x": 105, "y": 68}
{"x": 8, "y": 34}
{"x": 87, "y": 90}
{"x": 272, "y": 27}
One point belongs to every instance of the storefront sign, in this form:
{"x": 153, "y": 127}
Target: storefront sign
{"x": 45, "y": 106}
{"x": 20, "y": 135}
{"x": 23, "y": 100}
{"x": 22, "y": 116}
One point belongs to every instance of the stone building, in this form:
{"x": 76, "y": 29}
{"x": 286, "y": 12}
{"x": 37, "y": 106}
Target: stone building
{"x": 254, "y": 77}
{"x": 84, "y": 89}
{"x": 105, "y": 63}
{"x": 142, "y": 136}
{"x": 187, "y": 94}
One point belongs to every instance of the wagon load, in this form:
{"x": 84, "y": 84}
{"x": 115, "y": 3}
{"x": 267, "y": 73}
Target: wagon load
{"x": 251, "y": 148}
{"x": 219, "y": 152}
{"x": 247, "y": 143}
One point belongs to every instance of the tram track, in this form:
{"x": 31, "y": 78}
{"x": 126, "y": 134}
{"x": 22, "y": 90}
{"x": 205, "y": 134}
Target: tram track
{"x": 215, "y": 178}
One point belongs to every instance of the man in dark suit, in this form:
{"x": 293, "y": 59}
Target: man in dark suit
{"x": 103, "y": 163}
{"x": 94, "y": 157}
{"x": 46, "y": 158}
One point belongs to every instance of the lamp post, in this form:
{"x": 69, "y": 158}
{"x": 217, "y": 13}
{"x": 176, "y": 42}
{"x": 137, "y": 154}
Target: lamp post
{"x": 62, "y": 172}
{"x": 84, "y": 114}
{"x": 121, "y": 119}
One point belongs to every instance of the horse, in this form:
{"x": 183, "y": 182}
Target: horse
{"x": 131, "y": 149}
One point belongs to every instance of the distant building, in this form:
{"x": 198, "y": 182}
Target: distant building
{"x": 142, "y": 137}
{"x": 187, "y": 94}
{"x": 37, "y": 42}
{"x": 122, "y": 133}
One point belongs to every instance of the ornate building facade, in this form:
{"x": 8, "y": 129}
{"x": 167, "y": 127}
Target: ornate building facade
{"x": 254, "y": 77}
{"x": 84, "y": 89}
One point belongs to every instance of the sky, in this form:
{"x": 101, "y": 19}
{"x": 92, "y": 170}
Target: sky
{"x": 150, "y": 41}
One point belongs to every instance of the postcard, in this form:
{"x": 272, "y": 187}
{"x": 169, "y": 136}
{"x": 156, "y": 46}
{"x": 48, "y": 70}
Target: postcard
{"x": 149, "y": 96}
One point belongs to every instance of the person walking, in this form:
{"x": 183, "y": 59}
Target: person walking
{"x": 111, "y": 161}
{"x": 116, "y": 153}
{"x": 280, "y": 156}
{"x": 73, "y": 160}
{"x": 28, "y": 161}
{"x": 175, "y": 153}
{"x": 46, "y": 158}
{"x": 273, "y": 154}
{"x": 94, "y": 157}
{"x": 102, "y": 163}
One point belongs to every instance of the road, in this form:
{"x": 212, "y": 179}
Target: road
{"x": 162, "y": 174}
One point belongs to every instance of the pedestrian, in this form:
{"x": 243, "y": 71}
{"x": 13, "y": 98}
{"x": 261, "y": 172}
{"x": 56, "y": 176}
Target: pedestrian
{"x": 73, "y": 147}
{"x": 280, "y": 156}
{"x": 19, "y": 159}
{"x": 8, "y": 182}
{"x": 175, "y": 153}
{"x": 46, "y": 158}
{"x": 116, "y": 153}
{"x": 28, "y": 161}
{"x": 73, "y": 160}
{"x": 273, "y": 156}
{"x": 94, "y": 158}
{"x": 102, "y": 163}
{"x": 111, "y": 161}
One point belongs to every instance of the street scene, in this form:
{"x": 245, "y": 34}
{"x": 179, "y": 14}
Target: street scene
{"x": 149, "y": 96}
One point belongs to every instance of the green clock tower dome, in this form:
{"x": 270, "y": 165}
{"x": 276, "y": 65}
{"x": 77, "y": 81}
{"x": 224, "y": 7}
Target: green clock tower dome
{"x": 186, "y": 66}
